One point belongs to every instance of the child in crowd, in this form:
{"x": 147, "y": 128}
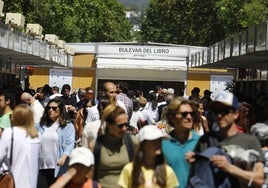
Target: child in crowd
{"x": 80, "y": 171}
{"x": 148, "y": 168}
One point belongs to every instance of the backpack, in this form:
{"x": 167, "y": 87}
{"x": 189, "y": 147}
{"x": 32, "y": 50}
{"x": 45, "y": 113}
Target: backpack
{"x": 203, "y": 174}
{"x": 98, "y": 145}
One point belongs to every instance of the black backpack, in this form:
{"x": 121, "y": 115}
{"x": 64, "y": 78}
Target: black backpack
{"x": 203, "y": 174}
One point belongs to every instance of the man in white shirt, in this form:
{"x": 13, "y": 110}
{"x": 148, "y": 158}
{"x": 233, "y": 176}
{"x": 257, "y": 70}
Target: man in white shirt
{"x": 35, "y": 105}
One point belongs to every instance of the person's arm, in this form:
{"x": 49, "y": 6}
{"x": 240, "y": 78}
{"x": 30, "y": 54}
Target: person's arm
{"x": 1, "y": 130}
{"x": 62, "y": 181}
{"x": 67, "y": 142}
{"x": 4, "y": 145}
{"x": 62, "y": 160}
{"x": 69, "y": 138}
{"x": 254, "y": 177}
{"x": 78, "y": 123}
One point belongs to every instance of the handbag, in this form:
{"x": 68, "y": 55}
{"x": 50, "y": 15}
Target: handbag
{"x": 7, "y": 180}
{"x": 6, "y": 177}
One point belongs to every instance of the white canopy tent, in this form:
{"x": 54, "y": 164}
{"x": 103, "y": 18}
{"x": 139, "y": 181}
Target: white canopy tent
{"x": 142, "y": 62}
{"x": 142, "y": 69}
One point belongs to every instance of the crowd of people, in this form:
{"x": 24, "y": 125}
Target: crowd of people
{"x": 124, "y": 138}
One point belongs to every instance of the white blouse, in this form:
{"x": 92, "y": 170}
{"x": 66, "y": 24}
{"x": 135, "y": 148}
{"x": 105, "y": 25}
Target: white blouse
{"x": 25, "y": 156}
{"x": 49, "y": 147}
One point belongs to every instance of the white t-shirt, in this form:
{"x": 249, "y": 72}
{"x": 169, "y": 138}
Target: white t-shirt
{"x": 92, "y": 114}
{"x": 49, "y": 147}
{"x": 25, "y": 156}
{"x": 136, "y": 116}
{"x": 150, "y": 115}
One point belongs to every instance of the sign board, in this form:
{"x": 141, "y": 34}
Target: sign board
{"x": 59, "y": 77}
{"x": 218, "y": 83}
{"x": 135, "y": 50}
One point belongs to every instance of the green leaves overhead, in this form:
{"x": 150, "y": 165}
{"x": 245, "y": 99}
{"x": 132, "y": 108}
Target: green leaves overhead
{"x": 188, "y": 22}
{"x": 254, "y": 12}
{"x": 77, "y": 20}
{"x": 199, "y": 22}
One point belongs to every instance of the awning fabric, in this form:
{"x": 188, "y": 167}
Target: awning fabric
{"x": 142, "y": 74}
{"x": 109, "y": 63}
{"x": 133, "y": 69}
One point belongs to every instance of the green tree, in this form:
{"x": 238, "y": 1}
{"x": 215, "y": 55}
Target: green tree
{"x": 205, "y": 28}
{"x": 186, "y": 22}
{"x": 199, "y": 22}
{"x": 166, "y": 21}
{"x": 77, "y": 20}
{"x": 236, "y": 15}
{"x": 254, "y": 12}
{"x": 228, "y": 12}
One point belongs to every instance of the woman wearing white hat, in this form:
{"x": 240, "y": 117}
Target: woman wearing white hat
{"x": 148, "y": 168}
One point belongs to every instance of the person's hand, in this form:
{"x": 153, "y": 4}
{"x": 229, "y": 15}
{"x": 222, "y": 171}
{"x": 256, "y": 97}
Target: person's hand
{"x": 71, "y": 108}
{"x": 221, "y": 162}
{"x": 190, "y": 157}
{"x": 36, "y": 95}
{"x": 62, "y": 160}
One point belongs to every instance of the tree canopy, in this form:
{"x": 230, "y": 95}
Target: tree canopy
{"x": 188, "y": 22}
{"x": 199, "y": 22}
{"x": 135, "y": 4}
{"x": 76, "y": 20}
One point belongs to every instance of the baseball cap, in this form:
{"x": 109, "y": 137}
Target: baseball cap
{"x": 81, "y": 155}
{"x": 149, "y": 132}
{"x": 227, "y": 99}
{"x": 207, "y": 91}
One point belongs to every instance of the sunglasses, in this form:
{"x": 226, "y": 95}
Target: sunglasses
{"x": 120, "y": 126}
{"x": 185, "y": 114}
{"x": 112, "y": 92}
{"x": 222, "y": 112}
{"x": 54, "y": 108}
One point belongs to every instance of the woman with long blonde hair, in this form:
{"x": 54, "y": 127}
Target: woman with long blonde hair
{"x": 26, "y": 144}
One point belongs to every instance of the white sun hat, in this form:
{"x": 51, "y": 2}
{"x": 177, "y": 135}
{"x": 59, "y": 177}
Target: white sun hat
{"x": 81, "y": 155}
{"x": 150, "y": 132}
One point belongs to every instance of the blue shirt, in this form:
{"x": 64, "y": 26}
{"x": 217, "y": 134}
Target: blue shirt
{"x": 175, "y": 156}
